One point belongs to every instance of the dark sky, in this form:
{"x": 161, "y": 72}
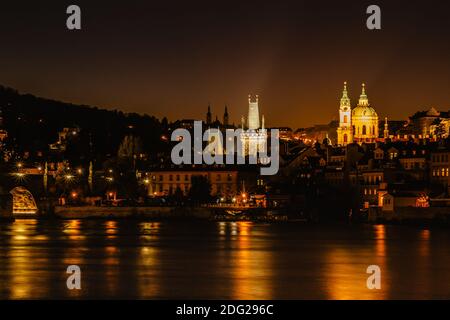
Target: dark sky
{"x": 170, "y": 58}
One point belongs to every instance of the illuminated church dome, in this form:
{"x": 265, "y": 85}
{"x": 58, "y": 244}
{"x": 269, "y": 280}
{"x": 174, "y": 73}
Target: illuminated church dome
{"x": 364, "y": 120}
{"x": 364, "y": 112}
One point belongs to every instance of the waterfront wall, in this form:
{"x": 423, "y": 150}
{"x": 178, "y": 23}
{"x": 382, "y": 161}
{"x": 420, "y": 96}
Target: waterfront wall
{"x": 72, "y": 212}
{"x": 413, "y": 213}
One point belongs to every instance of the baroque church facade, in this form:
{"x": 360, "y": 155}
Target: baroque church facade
{"x": 360, "y": 124}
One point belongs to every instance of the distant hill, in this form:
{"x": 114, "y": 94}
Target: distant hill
{"x": 33, "y": 123}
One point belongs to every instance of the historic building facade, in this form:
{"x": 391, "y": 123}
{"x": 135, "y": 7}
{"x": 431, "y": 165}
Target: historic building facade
{"x": 359, "y": 124}
{"x": 224, "y": 182}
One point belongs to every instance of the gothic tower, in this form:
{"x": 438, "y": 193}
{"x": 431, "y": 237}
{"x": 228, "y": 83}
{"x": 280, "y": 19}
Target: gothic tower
{"x": 255, "y": 138}
{"x": 253, "y": 113}
{"x": 225, "y": 117}
{"x": 345, "y": 130}
{"x": 208, "y": 115}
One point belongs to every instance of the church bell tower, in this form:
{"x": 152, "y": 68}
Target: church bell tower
{"x": 345, "y": 131}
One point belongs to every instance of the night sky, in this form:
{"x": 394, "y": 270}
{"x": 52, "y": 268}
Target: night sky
{"x": 172, "y": 58}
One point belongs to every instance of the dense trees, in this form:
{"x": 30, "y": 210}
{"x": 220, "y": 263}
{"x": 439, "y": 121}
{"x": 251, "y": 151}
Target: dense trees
{"x": 200, "y": 191}
{"x": 33, "y": 123}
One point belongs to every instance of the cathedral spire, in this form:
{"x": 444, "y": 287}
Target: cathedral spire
{"x": 225, "y": 117}
{"x": 345, "y": 100}
{"x": 363, "y": 100}
{"x": 208, "y": 115}
{"x": 386, "y": 128}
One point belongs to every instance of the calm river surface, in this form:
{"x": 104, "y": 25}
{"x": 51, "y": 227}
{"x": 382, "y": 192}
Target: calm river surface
{"x": 221, "y": 260}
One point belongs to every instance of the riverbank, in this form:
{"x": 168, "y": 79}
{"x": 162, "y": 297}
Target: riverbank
{"x": 406, "y": 216}
{"x": 158, "y": 213}
{"x": 86, "y": 212}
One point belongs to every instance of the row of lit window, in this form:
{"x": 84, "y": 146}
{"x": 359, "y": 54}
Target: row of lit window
{"x": 443, "y": 172}
{"x": 413, "y": 165}
{"x": 370, "y": 191}
{"x": 187, "y": 178}
{"x": 186, "y": 188}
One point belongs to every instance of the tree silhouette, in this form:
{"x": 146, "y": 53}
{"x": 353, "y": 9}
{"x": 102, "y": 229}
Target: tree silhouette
{"x": 200, "y": 191}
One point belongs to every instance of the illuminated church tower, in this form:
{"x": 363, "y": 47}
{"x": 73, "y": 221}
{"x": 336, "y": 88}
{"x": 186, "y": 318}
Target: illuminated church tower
{"x": 253, "y": 113}
{"x": 345, "y": 129}
{"x": 255, "y": 137}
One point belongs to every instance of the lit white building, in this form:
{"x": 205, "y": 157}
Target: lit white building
{"x": 254, "y": 137}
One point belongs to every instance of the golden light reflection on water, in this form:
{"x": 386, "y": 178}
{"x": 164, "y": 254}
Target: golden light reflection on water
{"x": 346, "y": 279}
{"x": 244, "y": 260}
{"x": 148, "y": 270}
{"x": 24, "y": 281}
{"x": 424, "y": 247}
{"x": 74, "y": 254}
{"x": 422, "y": 279}
{"x": 251, "y": 267}
{"x": 149, "y": 230}
{"x": 72, "y": 228}
{"x": 111, "y": 229}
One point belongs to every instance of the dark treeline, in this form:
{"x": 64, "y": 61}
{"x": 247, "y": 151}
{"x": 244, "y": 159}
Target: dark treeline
{"x": 33, "y": 123}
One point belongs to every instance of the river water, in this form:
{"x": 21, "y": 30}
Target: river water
{"x": 221, "y": 260}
